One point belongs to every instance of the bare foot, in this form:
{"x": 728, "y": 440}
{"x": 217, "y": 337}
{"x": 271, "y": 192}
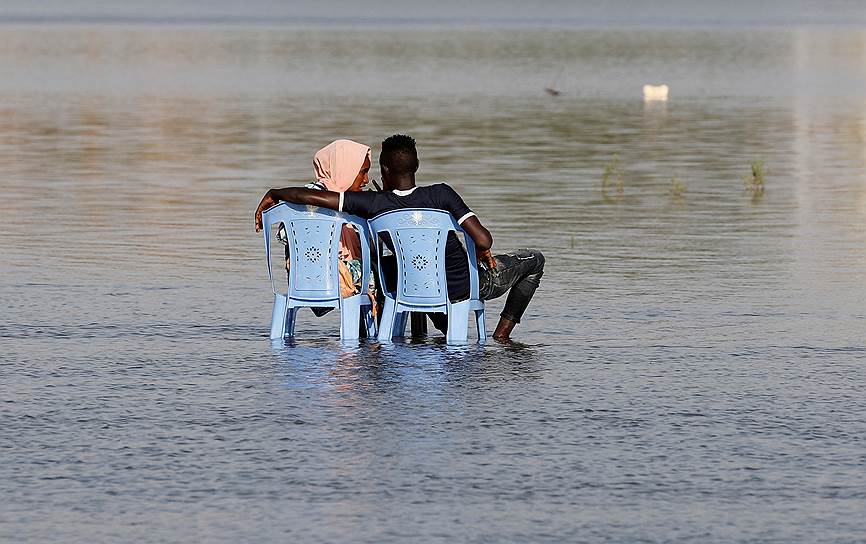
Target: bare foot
{"x": 503, "y": 330}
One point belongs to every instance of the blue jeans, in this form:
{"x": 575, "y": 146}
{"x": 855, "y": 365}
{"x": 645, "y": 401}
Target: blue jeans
{"x": 518, "y": 272}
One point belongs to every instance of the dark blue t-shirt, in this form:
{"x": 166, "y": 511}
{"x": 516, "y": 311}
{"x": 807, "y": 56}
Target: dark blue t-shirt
{"x": 368, "y": 204}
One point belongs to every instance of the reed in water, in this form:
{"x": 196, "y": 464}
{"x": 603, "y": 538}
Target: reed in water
{"x": 754, "y": 183}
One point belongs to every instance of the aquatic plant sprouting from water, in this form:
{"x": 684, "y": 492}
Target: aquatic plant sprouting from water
{"x": 678, "y": 188}
{"x": 755, "y": 182}
{"x": 612, "y": 177}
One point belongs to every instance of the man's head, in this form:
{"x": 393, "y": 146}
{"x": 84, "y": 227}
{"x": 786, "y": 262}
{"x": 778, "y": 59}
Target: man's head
{"x": 398, "y": 162}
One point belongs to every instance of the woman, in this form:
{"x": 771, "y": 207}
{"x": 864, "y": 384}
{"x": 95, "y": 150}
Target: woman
{"x": 342, "y": 165}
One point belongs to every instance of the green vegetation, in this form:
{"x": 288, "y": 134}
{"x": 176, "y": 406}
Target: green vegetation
{"x": 754, "y": 183}
{"x": 612, "y": 178}
{"x": 678, "y": 188}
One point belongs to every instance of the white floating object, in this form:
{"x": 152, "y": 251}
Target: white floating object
{"x": 655, "y": 92}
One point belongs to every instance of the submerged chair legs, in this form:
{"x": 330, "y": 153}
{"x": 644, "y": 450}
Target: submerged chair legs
{"x": 393, "y": 323}
{"x": 458, "y": 322}
{"x": 386, "y": 324}
{"x": 482, "y": 328}
{"x": 282, "y": 318}
{"x": 350, "y": 313}
{"x": 278, "y": 317}
{"x": 400, "y": 323}
{"x": 291, "y": 318}
{"x": 370, "y": 323}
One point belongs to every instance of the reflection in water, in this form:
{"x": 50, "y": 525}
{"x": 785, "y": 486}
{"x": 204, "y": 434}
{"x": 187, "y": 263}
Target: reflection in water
{"x": 419, "y": 363}
{"x": 690, "y": 368}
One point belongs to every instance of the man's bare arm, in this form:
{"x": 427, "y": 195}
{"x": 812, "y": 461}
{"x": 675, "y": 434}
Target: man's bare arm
{"x": 296, "y": 195}
{"x": 482, "y": 238}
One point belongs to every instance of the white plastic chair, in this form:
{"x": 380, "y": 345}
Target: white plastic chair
{"x": 418, "y": 236}
{"x": 314, "y": 278}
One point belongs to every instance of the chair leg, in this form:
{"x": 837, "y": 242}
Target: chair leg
{"x": 291, "y": 318}
{"x": 370, "y": 322}
{"x": 458, "y": 323}
{"x": 482, "y": 329}
{"x": 278, "y": 317}
{"x": 350, "y": 316}
{"x": 386, "y": 324}
{"x": 400, "y": 324}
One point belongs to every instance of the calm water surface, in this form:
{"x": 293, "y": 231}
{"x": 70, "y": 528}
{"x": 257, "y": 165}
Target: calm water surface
{"x": 691, "y": 370}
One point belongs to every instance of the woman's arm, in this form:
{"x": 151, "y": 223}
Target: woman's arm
{"x": 296, "y": 195}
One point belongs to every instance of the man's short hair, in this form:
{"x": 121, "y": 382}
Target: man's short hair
{"x": 402, "y": 157}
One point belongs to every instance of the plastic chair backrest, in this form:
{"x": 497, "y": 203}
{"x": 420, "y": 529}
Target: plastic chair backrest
{"x": 418, "y": 237}
{"x": 314, "y": 242}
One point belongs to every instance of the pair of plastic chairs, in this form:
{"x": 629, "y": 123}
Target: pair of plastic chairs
{"x": 418, "y": 238}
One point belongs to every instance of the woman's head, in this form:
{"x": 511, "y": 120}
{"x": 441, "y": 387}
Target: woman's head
{"x": 343, "y": 165}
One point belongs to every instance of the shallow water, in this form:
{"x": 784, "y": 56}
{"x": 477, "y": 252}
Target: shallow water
{"x": 690, "y": 370}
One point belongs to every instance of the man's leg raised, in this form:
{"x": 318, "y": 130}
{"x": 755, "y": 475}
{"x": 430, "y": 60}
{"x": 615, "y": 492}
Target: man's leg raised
{"x": 519, "y": 273}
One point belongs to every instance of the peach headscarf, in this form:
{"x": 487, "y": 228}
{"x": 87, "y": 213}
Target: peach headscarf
{"x": 337, "y": 165}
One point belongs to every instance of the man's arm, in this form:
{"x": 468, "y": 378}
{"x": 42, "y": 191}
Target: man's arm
{"x": 448, "y": 199}
{"x": 482, "y": 238}
{"x": 296, "y": 195}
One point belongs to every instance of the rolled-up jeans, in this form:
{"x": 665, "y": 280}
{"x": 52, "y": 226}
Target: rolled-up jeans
{"x": 519, "y": 273}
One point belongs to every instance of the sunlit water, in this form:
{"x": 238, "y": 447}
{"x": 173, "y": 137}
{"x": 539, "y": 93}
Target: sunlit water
{"x": 691, "y": 369}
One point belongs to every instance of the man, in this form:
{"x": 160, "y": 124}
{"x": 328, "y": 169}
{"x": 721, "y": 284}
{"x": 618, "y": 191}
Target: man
{"x": 518, "y": 272}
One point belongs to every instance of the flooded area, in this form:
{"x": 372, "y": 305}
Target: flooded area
{"x": 691, "y": 369}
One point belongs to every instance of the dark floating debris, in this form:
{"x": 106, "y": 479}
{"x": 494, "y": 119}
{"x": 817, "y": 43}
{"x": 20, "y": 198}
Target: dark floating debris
{"x": 551, "y": 89}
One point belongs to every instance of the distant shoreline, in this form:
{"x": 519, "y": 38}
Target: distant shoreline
{"x": 445, "y": 22}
